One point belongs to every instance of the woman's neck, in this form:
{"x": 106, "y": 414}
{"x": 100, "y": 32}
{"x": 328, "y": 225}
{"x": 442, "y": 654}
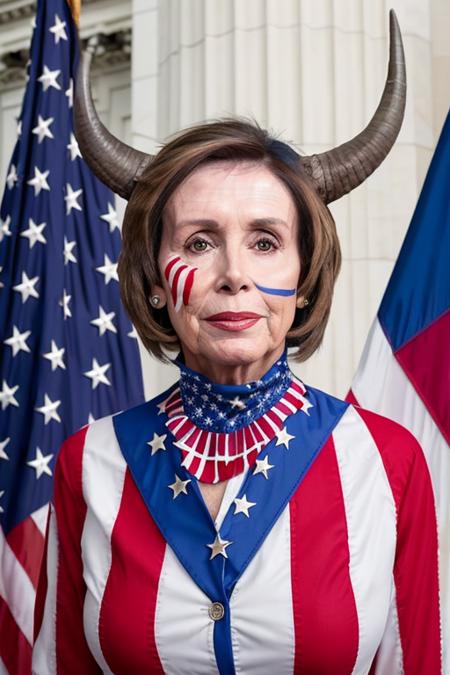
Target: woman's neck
{"x": 231, "y": 373}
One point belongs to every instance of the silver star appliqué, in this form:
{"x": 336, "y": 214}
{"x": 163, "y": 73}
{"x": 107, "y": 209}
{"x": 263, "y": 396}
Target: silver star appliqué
{"x": 41, "y": 464}
{"x": 242, "y": 506}
{"x": 218, "y": 547}
{"x": 263, "y": 466}
{"x": 17, "y": 341}
{"x": 179, "y": 487}
{"x": 104, "y": 321}
{"x": 284, "y": 437}
{"x": 55, "y": 356}
{"x": 97, "y": 374}
{"x": 157, "y": 443}
{"x": 49, "y": 410}
{"x": 34, "y": 233}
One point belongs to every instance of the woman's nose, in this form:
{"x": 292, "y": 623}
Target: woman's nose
{"x": 232, "y": 274}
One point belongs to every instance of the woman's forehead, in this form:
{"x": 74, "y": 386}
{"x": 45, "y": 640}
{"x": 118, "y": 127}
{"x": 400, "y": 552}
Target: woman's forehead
{"x": 219, "y": 189}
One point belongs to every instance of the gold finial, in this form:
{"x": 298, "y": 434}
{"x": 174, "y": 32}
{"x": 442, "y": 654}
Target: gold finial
{"x": 75, "y": 8}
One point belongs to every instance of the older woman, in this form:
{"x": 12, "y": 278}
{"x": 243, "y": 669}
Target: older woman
{"x": 240, "y": 521}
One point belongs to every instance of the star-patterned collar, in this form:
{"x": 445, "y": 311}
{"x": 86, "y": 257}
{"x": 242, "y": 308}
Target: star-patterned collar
{"x": 221, "y": 429}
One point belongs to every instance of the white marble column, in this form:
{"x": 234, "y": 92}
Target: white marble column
{"x": 313, "y": 71}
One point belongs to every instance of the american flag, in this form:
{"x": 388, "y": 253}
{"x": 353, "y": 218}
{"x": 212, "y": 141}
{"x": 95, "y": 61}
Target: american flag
{"x": 404, "y": 371}
{"x": 68, "y": 353}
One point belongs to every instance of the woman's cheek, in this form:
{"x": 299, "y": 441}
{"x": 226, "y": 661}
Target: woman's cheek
{"x": 180, "y": 277}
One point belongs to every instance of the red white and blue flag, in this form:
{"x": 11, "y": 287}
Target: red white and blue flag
{"x": 404, "y": 371}
{"x": 67, "y": 349}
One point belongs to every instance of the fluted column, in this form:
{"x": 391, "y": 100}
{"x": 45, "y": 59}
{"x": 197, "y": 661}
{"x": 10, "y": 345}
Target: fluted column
{"x": 313, "y": 72}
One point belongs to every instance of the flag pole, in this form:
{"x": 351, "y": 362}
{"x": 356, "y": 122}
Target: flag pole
{"x": 75, "y": 8}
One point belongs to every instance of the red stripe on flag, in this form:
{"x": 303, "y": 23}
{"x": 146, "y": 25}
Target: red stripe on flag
{"x": 351, "y": 398}
{"x": 27, "y": 544}
{"x": 416, "y": 554}
{"x": 128, "y": 609}
{"x": 322, "y": 595}
{"x": 426, "y": 361}
{"x": 169, "y": 267}
{"x": 188, "y": 286}
{"x": 15, "y": 650}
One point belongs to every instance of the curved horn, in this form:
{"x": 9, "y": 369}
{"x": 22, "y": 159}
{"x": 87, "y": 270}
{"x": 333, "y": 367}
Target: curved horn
{"x": 338, "y": 171}
{"x": 116, "y": 164}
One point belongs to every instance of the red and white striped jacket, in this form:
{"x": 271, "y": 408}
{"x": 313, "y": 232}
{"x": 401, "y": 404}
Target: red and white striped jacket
{"x": 342, "y": 579}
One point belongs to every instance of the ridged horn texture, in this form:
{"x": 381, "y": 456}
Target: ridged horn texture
{"x": 338, "y": 171}
{"x": 116, "y": 164}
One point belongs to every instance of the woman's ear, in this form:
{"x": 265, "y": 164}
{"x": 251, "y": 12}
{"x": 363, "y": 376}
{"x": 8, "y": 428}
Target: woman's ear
{"x": 158, "y": 297}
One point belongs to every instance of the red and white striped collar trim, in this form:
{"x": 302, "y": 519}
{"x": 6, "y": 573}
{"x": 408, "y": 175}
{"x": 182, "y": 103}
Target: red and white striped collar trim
{"x": 216, "y": 456}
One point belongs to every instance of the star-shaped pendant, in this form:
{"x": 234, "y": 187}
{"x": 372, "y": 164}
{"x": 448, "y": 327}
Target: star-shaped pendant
{"x": 242, "y": 506}
{"x": 283, "y": 438}
{"x": 263, "y": 466}
{"x": 218, "y": 547}
{"x": 157, "y": 443}
{"x": 180, "y": 486}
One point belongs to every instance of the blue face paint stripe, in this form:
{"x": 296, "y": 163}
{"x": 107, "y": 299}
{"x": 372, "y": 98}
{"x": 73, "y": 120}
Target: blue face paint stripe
{"x": 286, "y": 292}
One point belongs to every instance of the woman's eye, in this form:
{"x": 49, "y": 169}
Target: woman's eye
{"x": 198, "y": 245}
{"x": 265, "y": 244}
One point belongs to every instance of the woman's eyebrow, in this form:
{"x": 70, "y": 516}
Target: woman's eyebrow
{"x": 209, "y": 223}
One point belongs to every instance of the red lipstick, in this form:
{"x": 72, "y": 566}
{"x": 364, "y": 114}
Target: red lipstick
{"x": 233, "y": 321}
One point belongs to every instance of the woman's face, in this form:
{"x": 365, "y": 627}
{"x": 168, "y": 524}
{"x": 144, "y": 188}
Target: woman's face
{"x": 230, "y": 265}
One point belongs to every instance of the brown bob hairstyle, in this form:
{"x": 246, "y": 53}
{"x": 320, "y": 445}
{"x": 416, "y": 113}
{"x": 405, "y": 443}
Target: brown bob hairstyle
{"x": 240, "y": 141}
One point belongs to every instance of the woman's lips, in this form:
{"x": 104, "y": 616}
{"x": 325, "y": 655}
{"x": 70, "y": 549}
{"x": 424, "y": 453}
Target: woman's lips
{"x": 233, "y": 321}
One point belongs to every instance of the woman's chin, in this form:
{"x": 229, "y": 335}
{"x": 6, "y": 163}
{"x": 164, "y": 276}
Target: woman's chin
{"x": 236, "y": 351}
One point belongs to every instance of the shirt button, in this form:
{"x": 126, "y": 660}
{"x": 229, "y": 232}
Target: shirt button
{"x": 216, "y": 611}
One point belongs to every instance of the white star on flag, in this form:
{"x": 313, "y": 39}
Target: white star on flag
{"x": 39, "y": 182}
{"x": 109, "y": 269}
{"x": 64, "y": 303}
{"x": 55, "y": 356}
{"x": 179, "y": 487}
{"x": 49, "y": 78}
{"x": 263, "y": 466}
{"x": 97, "y": 374}
{"x": 2, "y": 492}
{"x": 237, "y": 403}
{"x": 34, "y": 233}
{"x": 104, "y": 321}
{"x": 68, "y": 255}
{"x": 58, "y": 30}
{"x": 3, "y": 445}
{"x": 4, "y": 228}
{"x": 243, "y": 505}
{"x": 40, "y": 464}
{"x": 49, "y": 410}
{"x": 283, "y": 437}
{"x": 132, "y": 333}
{"x": 2, "y": 284}
{"x": 7, "y": 395}
{"x": 73, "y": 148}
{"x": 69, "y": 93}
{"x": 111, "y": 218}
{"x": 218, "y": 547}
{"x": 71, "y": 199}
{"x": 17, "y": 341}
{"x": 26, "y": 288}
{"x": 19, "y": 129}
{"x": 157, "y": 443}
{"x": 42, "y": 129}
{"x": 12, "y": 177}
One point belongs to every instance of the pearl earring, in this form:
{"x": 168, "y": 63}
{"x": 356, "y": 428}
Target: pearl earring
{"x": 302, "y": 302}
{"x": 155, "y": 300}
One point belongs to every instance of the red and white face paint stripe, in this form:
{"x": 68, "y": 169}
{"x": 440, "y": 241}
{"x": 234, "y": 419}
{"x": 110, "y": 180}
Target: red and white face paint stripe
{"x": 180, "y": 277}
